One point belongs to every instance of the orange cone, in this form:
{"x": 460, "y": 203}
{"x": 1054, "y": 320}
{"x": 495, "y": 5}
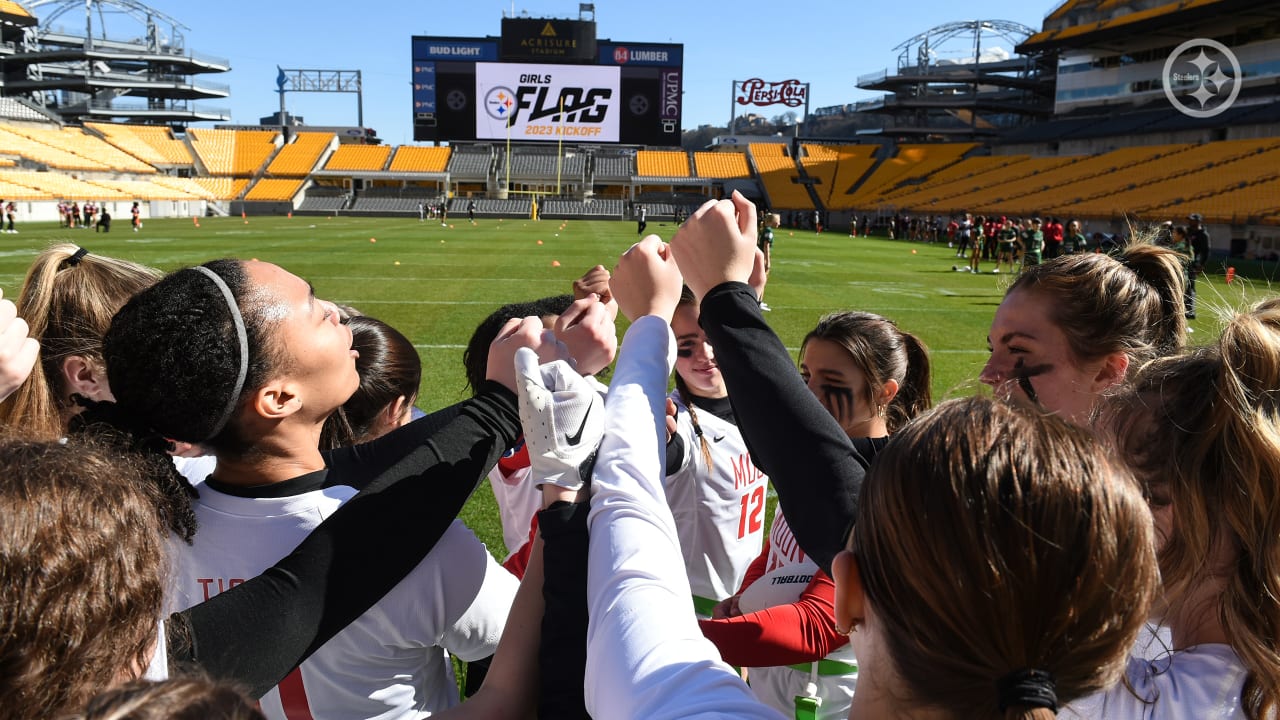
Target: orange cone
{"x": 1231, "y": 275}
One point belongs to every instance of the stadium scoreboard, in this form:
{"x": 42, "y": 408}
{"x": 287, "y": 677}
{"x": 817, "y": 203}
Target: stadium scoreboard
{"x": 547, "y": 80}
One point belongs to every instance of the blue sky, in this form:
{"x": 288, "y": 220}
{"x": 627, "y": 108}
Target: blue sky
{"x": 827, "y": 44}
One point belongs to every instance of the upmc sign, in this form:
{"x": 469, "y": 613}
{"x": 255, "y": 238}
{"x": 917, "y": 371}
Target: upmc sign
{"x": 547, "y": 102}
{"x": 755, "y": 91}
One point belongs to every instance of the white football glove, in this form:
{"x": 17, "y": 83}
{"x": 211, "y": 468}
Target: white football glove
{"x": 563, "y": 419}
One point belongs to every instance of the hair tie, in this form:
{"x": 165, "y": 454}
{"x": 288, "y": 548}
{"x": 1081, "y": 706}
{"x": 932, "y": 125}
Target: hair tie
{"x": 242, "y": 336}
{"x": 1027, "y": 688}
{"x": 75, "y": 257}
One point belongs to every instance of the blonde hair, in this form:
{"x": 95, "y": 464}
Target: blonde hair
{"x": 1130, "y": 303}
{"x": 992, "y": 539}
{"x": 1205, "y": 427}
{"x": 67, "y": 299}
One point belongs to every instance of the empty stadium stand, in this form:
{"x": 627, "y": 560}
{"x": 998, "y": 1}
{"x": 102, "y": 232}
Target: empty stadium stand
{"x": 151, "y": 144}
{"x": 613, "y": 168}
{"x": 489, "y": 207}
{"x": 780, "y": 176}
{"x": 419, "y": 159}
{"x": 274, "y": 190}
{"x": 359, "y": 157}
{"x": 596, "y": 209}
{"x": 300, "y": 157}
{"x": 727, "y": 165}
{"x": 662, "y": 164}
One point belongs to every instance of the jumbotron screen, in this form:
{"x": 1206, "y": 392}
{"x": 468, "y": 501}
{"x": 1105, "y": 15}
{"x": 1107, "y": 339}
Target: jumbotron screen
{"x": 546, "y": 80}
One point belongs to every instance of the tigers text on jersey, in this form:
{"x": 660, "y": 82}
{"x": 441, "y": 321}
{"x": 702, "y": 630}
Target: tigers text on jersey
{"x": 393, "y": 661}
{"x": 719, "y": 510}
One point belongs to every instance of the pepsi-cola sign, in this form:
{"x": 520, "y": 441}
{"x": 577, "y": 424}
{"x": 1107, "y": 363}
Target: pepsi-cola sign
{"x": 755, "y": 91}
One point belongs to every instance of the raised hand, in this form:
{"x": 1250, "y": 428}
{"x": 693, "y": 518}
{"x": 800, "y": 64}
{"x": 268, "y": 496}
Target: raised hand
{"x": 17, "y": 351}
{"x": 588, "y": 331}
{"x": 563, "y": 420}
{"x": 515, "y": 334}
{"x": 646, "y": 280}
{"x": 717, "y": 244}
{"x": 596, "y": 282}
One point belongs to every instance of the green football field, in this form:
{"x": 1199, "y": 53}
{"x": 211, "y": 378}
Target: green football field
{"x": 436, "y": 283}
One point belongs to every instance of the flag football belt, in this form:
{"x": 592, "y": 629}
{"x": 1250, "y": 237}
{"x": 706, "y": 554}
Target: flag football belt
{"x": 704, "y": 606}
{"x": 827, "y": 668}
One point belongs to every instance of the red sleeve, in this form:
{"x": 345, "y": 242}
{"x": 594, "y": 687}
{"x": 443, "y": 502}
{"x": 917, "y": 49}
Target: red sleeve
{"x": 756, "y": 568}
{"x": 803, "y": 631}
{"x": 519, "y": 560}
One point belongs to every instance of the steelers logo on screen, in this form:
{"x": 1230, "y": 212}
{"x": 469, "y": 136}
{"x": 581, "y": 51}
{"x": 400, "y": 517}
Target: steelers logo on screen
{"x": 500, "y": 103}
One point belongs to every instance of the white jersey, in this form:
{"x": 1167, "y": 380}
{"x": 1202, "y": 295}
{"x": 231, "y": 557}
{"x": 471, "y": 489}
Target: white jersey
{"x": 646, "y": 655}
{"x": 779, "y": 686}
{"x": 393, "y": 661}
{"x": 518, "y": 499}
{"x": 719, "y": 510}
{"x": 1199, "y": 683}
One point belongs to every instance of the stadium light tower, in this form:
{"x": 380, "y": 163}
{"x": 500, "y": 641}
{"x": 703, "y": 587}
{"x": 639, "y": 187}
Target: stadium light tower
{"x": 325, "y": 81}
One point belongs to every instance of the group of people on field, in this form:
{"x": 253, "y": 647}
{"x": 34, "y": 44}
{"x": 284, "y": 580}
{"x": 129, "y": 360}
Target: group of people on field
{"x": 89, "y": 215}
{"x": 218, "y": 499}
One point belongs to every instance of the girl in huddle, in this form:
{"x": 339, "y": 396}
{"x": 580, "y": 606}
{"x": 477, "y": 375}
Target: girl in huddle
{"x": 872, "y": 378}
{"x": 390, "y": 373}
{"x": 241, "y": 356}
{"x": 1060, "y": 539}
{"x": 1202, "y": 433}
{"x": 68, "y": 298}
{"x": 1068, "y": 330}
{"x": 716, "y": 494}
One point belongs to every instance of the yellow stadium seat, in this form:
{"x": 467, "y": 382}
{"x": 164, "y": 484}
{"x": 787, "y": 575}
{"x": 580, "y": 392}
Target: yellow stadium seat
{"x": 359, "y": 157}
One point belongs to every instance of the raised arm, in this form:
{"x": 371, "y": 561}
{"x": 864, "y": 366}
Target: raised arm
{"x": 646, "y": 655}
{"x": 816, "y": 470}
{"x": 257, "y": 632}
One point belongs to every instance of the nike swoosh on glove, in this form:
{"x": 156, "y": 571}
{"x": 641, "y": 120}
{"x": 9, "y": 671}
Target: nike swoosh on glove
{"x": 563, "y": 419}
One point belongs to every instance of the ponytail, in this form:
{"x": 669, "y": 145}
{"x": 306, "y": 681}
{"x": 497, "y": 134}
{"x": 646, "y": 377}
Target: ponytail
{"x": 1206, "y": 426}
{"x": 915, "y": 396}
{"x": 67, "y": 300}
{"x": 1162, "y": 270}
{"x": 883, "y": 352}
{"x": 104, "y": 422}
{"x": 1131, "y": 303}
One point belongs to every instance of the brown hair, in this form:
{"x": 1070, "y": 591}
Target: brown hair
{"x": 1027, "y": 549}
{"x": 1205, "y": 428}
{"x": 81, "y": 562}
{"x": 882, "y": 352}
{"x": 173, "y": 699}
{"x": 1130, "y": 303}
{"x": 389, "y": 368}
{"x": 68, "y": 299}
